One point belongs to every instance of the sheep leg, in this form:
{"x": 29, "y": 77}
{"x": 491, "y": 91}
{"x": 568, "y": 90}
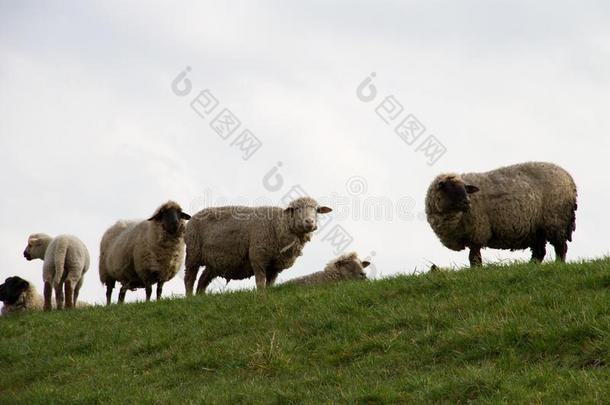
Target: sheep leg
{"x": 204, "y": 281}
{"x": 271, "y": 277}
{"x": 159, "y": 289}
{"x": 109, "y": 288}
{"x": 261, "y": 279}
{"x": 48, "y": 292}
{"x": 69, "y": 290}
{"x": 77, "y": 290}
{"x": 538, "y": 249}
{"x": 59, "y": 296}
{"x": 190, "y": 275}
{"x": 475, "y": 256}
{"x": 148, "y": 288}
{"x": 122, "y": 292}
{"x": 561, "y": 249}
{"x": 259, "y": 263}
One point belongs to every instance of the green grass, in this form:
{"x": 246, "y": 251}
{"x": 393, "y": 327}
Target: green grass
{"x": 515, "y": 333}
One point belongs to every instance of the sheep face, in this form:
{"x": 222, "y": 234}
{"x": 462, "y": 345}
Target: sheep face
{"x": 353, "y": 270}
{"x": 170, "y": 216}
{"x": 350, "y": 266}
{"x": 37, "y": 245}
{"x": 454, "y": 195}
{"x": 11, "y": 290}
{"x": 303, "y": 215}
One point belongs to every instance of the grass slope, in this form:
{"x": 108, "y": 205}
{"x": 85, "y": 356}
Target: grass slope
{"x": 524, "y": 333}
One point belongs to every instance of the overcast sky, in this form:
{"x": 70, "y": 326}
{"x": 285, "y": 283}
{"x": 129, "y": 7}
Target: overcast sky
{"x": 92, "y": 132}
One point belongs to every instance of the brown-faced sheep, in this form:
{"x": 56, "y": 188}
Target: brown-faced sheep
{"x": 241, "y": 242}
{"x": 515, "y": 207}
{"x": 345, "y": 267}
{"x": 139, "y": 254}
{"x": 19, "y": 295}
{"x": 66, "y": 260}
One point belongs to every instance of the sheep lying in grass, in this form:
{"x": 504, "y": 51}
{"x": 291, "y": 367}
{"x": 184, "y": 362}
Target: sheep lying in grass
{"x": 239, "y": 242}
{"x": 19, "y": 295}
{"x": 139, "y": 254}
{"x": 345, "y": 267}
{"x": 66, "y": 260}
{"x": 515, "y": 207}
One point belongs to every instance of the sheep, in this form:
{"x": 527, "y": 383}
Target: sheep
{"x": 515, "y": 207}
{"x": 19, "y": 295}
{"x": 66, "y": 260}
{"x": 139, "y": 254}
{"x": 238, "y": 242}
{"x": 345, "y": 267}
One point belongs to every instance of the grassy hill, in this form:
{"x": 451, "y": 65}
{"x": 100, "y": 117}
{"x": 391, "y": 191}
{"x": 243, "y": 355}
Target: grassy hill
{"x": 524, "y": 333}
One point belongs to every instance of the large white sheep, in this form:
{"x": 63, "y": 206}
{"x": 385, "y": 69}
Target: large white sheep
{"x": 515, "y": 207}
{"x": 66, "y": 260}
{"x": 139, "y": 254}
{"x": 241, "y": 242}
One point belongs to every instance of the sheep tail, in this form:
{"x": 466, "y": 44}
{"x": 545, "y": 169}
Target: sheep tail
{"x": 572, "y": 223}
{"x": 193, "y": 247}
{"x": 102, "y": 267}
{"x": 60, "y": 259}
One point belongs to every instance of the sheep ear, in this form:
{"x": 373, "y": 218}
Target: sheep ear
{"x": 365, "y": 264}
{"x": 471, "y": 189}
{"x": 324, "y": 210}
{"x": 184, "y": 215}
{"x": 289, "y": 210}
{"x": 23, "y": 284}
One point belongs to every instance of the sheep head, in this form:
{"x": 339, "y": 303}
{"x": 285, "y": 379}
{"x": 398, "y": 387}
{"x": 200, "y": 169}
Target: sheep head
{"x": 37, "y": 246}
{"x": 302, "y": 215}
{"x": 11, "y": 290}
{"x": 453, "y": 194}
{"x": 349, "y": 266}
{"x": 171, "y": 217}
